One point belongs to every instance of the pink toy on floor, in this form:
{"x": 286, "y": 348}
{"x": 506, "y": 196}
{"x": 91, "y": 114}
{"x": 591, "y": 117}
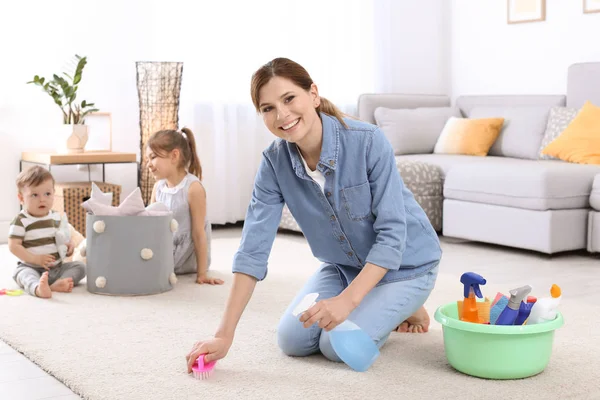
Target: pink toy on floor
{"x": 202, "y": 370}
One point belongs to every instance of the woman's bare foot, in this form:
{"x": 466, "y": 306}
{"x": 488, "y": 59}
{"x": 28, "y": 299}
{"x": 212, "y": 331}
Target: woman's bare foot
{"x": 43, "y": 290}
{"x": 62, "y": 285}
{"x": 417, "y": 323}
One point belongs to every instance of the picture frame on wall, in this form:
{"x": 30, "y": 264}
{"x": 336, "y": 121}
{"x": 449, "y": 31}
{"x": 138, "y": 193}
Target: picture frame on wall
{"x": 591, "y": 6}
{"x": 520, "y": 11}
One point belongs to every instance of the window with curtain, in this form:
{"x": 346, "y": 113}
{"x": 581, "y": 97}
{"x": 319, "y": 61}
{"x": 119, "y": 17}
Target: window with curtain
{"x": 223, "y": 43}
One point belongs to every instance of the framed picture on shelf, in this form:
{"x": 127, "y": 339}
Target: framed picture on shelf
{"x": 591, "y": 6}
{"x": 519, "y": 11}
{"x": 100, "y": 131}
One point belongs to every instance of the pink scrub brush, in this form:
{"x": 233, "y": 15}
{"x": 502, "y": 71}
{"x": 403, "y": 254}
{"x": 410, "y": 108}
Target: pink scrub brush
{"x": 202, "y": 370}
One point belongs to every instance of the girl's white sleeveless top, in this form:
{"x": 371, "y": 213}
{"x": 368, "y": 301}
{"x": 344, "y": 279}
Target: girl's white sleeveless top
{"x": 176, "y": 199}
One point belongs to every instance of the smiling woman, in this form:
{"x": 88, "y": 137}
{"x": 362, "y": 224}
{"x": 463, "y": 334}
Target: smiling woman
{"x": 286, "y": 96}
{"x": 339, "y": 179}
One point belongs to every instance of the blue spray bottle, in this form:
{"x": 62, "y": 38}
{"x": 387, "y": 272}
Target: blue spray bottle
{"x": 351, "y": 344}
{"x": 471, "y": 282}
{"x": 509, "y": 315}
{"x": 524, "y": 311}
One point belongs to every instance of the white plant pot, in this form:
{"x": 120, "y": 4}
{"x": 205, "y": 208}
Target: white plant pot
{"x": 73, "y": 138}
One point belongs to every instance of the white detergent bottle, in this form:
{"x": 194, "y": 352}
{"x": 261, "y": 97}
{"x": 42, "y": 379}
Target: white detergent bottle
{"x": 545, "y": 309}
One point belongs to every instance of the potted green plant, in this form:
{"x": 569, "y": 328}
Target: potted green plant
{"x": 64, "y": 93}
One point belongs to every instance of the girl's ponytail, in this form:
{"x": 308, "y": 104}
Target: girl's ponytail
{"x": 195, "y": 168}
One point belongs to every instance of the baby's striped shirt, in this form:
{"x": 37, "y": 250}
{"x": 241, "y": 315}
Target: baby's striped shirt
{"x": 38, "y": 233}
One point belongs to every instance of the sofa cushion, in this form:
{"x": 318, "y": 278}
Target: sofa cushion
{"x": 413, "y": 131}
{"x": 423, "y": 179}
{"x": 448, "y": 161}
{"x": 580, "y": 141}
{"x": 368, "y": 102}
{"x": 468, "y": 102}
{"x": 583, "y": 84}
{"x": 536, "y": 185}
{"x": 468, "y": 136}
{"x": 595, "y": 196}
{"x": 523, "y": 129}
{"x": 558, "y": 120}
{"x": 593, "y": 239}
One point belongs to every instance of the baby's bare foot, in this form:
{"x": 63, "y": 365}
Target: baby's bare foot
{"x": 43, "y": 290}
{"x": 62, "y": 285}
{"x": 417, "y": 323}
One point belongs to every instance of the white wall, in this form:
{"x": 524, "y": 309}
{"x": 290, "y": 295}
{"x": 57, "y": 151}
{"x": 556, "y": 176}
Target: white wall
{"x": 489, "y": 56}
{"x": 418, "y": 45}
{"x": 113, "y": 34}
{"x": 44, "y": 36}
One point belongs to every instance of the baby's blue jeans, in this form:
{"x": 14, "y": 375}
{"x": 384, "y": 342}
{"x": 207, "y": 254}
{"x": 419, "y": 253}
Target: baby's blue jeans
{"x": 381, "y": 311}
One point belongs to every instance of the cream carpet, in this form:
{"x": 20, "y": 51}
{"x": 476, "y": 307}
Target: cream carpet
{"x": 133, "y": 348}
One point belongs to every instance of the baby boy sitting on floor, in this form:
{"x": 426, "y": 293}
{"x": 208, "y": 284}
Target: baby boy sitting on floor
{"x": 33, "y": 237}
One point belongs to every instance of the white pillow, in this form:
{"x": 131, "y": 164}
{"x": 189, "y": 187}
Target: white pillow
{"x": 97, "y": 197}
{"x": 132, "y": 205}
{"x": 156, "y": 208}
{"x": 414, "y": 131}
{"x": 101, "y": 197}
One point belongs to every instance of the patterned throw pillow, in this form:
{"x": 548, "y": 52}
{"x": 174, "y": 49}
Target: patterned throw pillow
{"x": 558, "y": 120}
{"x": 580, "y": 141}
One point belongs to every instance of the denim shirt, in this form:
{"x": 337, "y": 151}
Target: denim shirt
{"x": 365, "y": 215}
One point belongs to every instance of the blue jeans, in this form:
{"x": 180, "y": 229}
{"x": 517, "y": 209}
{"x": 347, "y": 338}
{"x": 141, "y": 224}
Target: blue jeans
{"x": 381, "y": 311}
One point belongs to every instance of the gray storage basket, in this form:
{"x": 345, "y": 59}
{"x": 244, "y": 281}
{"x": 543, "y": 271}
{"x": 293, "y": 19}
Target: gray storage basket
{"x": 115, "y": 255}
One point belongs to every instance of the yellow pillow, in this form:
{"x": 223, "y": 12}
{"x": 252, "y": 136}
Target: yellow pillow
{"x": 580, "y": 141}
{"x": 466, "y": 136}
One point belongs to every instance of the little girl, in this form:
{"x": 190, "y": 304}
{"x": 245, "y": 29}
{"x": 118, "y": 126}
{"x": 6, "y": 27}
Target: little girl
{"x": 172, "y": 159}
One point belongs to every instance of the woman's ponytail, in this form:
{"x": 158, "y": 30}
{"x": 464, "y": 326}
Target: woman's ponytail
{"x": 327, "y": 107}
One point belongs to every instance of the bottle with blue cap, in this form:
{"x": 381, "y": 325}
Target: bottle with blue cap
{"x": 471, "y": 282}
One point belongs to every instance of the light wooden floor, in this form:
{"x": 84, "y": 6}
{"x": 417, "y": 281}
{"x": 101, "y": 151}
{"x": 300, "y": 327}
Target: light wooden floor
{"x": 21, "y": 379}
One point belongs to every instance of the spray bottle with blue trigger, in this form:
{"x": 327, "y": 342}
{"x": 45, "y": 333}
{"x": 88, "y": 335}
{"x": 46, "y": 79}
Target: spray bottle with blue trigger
{"x": 471, "y": 282}
{"x": 508, "y": 316}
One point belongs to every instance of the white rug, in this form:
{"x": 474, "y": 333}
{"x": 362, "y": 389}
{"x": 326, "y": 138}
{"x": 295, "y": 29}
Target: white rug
{"x": 133, "y": 348}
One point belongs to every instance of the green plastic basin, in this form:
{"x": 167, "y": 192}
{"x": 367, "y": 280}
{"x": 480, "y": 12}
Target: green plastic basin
{"x": 496, "y": 351}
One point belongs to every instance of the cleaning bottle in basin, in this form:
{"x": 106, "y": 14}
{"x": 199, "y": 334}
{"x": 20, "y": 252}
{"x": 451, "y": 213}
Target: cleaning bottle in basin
{"x": 351, "y": 344}
{"x": 545, "y": 308}
{"x": 508, "y": 316}
{"x": 471, "y": 282}
{"x": 524, "y": 310}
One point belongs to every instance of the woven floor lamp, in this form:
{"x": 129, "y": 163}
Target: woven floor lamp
{"x": 159, "y": 87}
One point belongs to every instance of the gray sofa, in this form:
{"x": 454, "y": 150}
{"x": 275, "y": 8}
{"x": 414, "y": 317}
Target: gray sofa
{"x": 593, "y": 239}
{"x": 510, "y": 197}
